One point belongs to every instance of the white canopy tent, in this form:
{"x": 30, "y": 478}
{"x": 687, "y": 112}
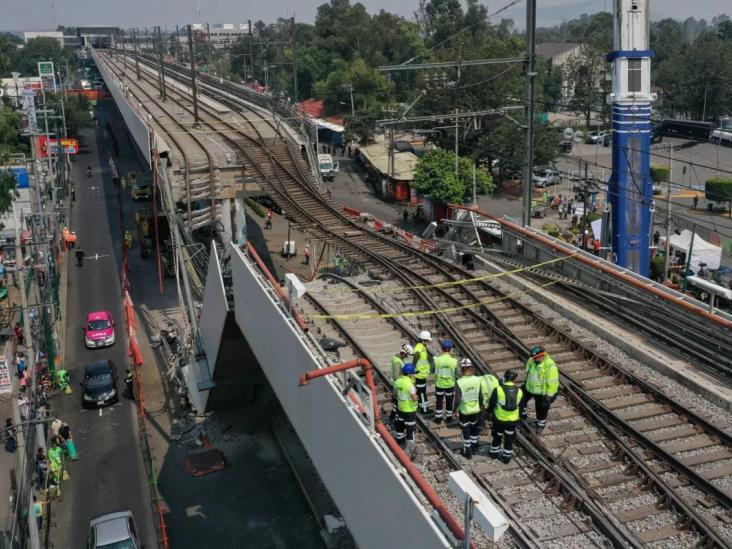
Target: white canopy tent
{"x": 702, "y": 252}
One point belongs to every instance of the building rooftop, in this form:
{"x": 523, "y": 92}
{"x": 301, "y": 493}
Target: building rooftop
{"x": 552, "y": 49}
{"x": 377, "y": 154}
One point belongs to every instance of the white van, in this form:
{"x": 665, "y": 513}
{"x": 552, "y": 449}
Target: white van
{"x": 86, "y": 85}
{"x": 327, "y": 167}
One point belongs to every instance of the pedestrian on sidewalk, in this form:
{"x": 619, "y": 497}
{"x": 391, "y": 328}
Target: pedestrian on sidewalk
{"x": 71, "y": 452}
{"x": 268, "y": 222}
{"x": 73, "y": 192}
{"x": 11, "y": 443}
{"x": 79, "y": 257}
{"x": 23, "y": 406}
{"x": 307, "y": 254}
{"x": 696, "y": 201}
{"x": 38, "y": 510}
{"x": 130, "y": 385}
{"x": 18, "y": 330}
{"x": 21, "y": 364}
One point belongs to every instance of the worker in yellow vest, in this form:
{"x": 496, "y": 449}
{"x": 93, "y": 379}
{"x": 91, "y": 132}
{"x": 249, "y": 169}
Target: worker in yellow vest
{"x": 542, "y": 384}
{"x": 406, "y": 396}
{"x": 422, "y": 368}
{"x": 397, "y": 362}
{"x": 504, "y": 405}
{"x": 469, "y": 399}
{"x": 445, "y": 373}
{"x": 489, "y": 382}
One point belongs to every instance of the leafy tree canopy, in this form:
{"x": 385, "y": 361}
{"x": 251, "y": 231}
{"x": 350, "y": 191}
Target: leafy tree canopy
{"x": 435, "y": 176}
{"x": 25, "y": 60}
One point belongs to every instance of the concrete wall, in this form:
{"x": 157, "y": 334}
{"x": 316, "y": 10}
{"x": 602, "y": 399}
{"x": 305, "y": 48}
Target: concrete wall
{"x": 135, "y": 123}
{"x": 375, "y": 501}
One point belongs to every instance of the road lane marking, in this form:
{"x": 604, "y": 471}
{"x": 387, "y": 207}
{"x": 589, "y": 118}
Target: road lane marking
{"x": 100, "y": 412}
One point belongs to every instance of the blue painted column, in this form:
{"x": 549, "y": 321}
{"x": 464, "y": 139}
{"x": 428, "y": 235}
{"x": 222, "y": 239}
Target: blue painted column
{"x": 630, "y": 190}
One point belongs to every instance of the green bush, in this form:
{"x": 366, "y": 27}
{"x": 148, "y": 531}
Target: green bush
{"x": 257, "y": 208}
{"x": 593, "y": 217}
{"x": 659, "y": 174}
{"x": 551, "y": 229}
{"x": 718, "y": 189}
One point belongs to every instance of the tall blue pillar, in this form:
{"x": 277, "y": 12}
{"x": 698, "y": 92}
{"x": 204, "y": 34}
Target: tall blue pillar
{"x": 630, "y": 190}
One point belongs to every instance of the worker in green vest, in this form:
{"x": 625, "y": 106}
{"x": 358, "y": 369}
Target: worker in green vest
{"x": 504, "y": 404}
{"x": 445, "y": 373}
{"x": 469, "y": 399}
{"x": 542, "y": 384}
{"x": 406, "y": 396}
{"x": 397, "y": 362}
{"x": 422, "y": 368}
{"x": 490, "y": 382}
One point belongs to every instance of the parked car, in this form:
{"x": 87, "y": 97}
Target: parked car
{"x": 141, "y": 191}
{"x": 543, "y": 177}
{"x": 596, "y": 136}
{"x": 99, "y": 386}
{"x": 114, "y": 531}
{"x": 99, "y": 329}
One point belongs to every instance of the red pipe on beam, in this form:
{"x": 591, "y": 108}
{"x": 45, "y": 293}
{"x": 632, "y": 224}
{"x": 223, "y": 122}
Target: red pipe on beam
{"x": 607, "y": 270}
{"x": 432, "y": 497}
{"x": 280, "y": 291}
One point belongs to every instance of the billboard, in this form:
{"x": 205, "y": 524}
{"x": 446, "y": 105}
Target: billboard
{"x": 69, "y": 145}
{"x": 47, "y": 74}
{"x": 30, "y": 125}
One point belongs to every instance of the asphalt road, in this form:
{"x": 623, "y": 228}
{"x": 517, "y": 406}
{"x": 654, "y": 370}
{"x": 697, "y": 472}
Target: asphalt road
{"x": 110, "y": 474}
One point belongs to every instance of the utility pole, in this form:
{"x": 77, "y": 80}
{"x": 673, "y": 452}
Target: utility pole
{"x": 668, "y": 212}
{"x": 24, "y": 440}
{"x": 349, "y": 87}
{"x": 177, "y": 44}
{"x": 294, "y": 65}
{"x": 457, "y": 150}
{"x": 529, "y": 113}
{"x": 688, "y": 259}
{"x": 586, "y": 192}
{"x": 162, "y": 66}
{"x": 137, "y": 54}
{"x": 192, "y": 53}
{"x": 251, "y": 47}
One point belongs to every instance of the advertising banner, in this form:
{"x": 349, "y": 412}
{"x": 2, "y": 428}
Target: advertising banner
{"x": 29, "y": 112}
{"x": 47, "y": 74}
{"x": 68, "y": 146}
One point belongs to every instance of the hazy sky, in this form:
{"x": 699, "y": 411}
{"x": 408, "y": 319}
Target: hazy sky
{"x": 46, "y": 14}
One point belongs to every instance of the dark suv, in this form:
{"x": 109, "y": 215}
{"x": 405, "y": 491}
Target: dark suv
{"x": 99, "y": 387}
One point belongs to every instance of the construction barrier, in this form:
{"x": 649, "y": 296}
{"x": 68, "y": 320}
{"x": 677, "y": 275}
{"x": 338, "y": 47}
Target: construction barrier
{"x": 136, "y": 361}
{"x": 417, "y": 242}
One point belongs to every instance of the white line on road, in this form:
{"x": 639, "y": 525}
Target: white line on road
{"x": 100, "y": 412}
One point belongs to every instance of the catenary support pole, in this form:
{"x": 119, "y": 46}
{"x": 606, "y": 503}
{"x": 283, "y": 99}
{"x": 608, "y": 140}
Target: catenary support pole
{"x": 137, "y": 54}
{"x": 668, "y": 213}
{"x": 296, "y": 95}
{"x": 162, "y": 66}
{"x": 192, "y": 53}
{"x": 529, "y": 111}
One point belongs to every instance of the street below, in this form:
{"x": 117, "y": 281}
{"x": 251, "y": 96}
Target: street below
{"x": 109, "y": 475}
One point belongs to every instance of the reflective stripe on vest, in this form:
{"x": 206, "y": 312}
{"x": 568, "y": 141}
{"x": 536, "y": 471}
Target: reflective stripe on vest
{"x": 422, "y": 367}
{"x": 501, "y": 414}
{"x": 445, "y": 367}
{"x": 543, "y": 378}
{"x": 405, "y": 402}
{"x": 470, "y": 393}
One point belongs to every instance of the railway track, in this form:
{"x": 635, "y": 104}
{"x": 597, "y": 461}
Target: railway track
{"x": 709, "y": 351}
{"x": 660, "y": 473}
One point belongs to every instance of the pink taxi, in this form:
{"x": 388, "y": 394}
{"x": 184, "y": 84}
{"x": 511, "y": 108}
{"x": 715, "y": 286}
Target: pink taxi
{"x": 99, "y": 329}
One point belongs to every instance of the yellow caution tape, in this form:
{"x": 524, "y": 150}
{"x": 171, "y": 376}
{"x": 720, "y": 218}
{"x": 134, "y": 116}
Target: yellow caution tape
{"x": 447, "y": 310}
{"x": 450, "y": 283}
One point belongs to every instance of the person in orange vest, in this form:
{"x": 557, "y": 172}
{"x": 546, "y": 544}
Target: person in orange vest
{"x": 71, "y": 240}
{"x": 65, "y": 238}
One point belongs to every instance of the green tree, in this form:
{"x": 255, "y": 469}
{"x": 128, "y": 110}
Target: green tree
{"x": 504, "y": 142}
{"x": 8, "y": 190}
{"x": 435, "y": 177}
{"x": 25, "y": 60}
{"x": 370, "y": 87}
{"x": 584, "y": 75}
{"x": 9, "y": 132}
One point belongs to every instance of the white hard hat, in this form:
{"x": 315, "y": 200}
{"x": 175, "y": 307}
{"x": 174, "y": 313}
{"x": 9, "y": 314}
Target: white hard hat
{"x": 425, "y": 335}
{"x": 407, "y": 349}
{"x": 466, "y": 363}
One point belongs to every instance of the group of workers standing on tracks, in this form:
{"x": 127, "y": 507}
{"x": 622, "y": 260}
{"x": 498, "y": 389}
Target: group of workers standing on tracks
{"x": 474, "y": 396}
